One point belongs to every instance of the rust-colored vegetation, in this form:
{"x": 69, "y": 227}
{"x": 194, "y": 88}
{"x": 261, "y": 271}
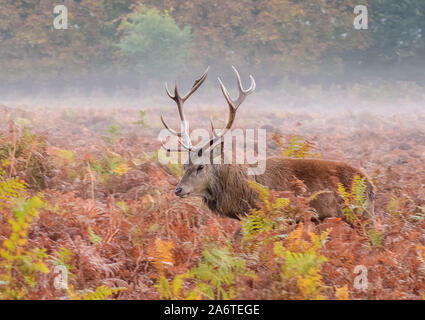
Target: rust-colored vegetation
{"x": 82, "y": 191}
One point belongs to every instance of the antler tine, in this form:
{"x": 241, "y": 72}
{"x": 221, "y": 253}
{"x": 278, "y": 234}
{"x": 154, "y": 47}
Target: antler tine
{"x": 242, "y": 93}
{"x": 212, "y": 127}
{"x": 180, "y": 101}
{"x": 226, "y": 94}
{"x": 176, "y": 97}
{"x": 196, "y": 84}
{"x": 181, "y": 143}
{"x": 178, "y": 134}
{"x": 252, "y": 86}
{"x": 168, "y": 92}
{"x": 169, "y": 149}
{"x": 233, "y": 106}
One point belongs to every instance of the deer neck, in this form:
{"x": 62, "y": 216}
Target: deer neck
{"x": 228, "y": 193}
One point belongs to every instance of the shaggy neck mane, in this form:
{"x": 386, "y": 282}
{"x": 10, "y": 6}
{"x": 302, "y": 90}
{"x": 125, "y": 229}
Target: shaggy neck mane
{"x": 228, "y": 193}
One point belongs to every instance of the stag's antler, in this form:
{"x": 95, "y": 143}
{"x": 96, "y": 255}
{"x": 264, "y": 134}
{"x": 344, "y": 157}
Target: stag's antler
{"x": 183, "y": 135}
{"x": 233, "y": 107}
{"x": 184, "y": 138}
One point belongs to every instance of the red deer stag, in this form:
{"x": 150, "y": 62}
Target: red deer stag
{"x": 224, "y": 187}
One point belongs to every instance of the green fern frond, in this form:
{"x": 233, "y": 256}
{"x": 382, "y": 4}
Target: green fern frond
{"x": 102, "y": 293}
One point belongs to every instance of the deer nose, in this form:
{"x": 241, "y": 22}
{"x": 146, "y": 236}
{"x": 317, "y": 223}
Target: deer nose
{"x": 178, "y": 191}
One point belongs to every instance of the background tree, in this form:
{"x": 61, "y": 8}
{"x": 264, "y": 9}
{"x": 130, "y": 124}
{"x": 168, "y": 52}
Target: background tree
{"x": 273, "y": 36}
{"x": 111, "y": 42}
{"x": 31, "y": 49}
{"x": 398, "y": 29}
{"x": 154, "y": 43}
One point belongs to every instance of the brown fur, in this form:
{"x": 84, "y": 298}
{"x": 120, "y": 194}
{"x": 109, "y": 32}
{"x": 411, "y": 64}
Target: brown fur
{"x": 227, "y": 192}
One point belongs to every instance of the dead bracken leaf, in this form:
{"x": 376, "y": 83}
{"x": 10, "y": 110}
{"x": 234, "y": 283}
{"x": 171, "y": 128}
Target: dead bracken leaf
{"x": 109, "y": 215}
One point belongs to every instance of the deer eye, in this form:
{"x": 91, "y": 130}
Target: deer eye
{"x": 200, "y": 168}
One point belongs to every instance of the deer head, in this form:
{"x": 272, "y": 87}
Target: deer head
{"x": 198, "y": 176}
